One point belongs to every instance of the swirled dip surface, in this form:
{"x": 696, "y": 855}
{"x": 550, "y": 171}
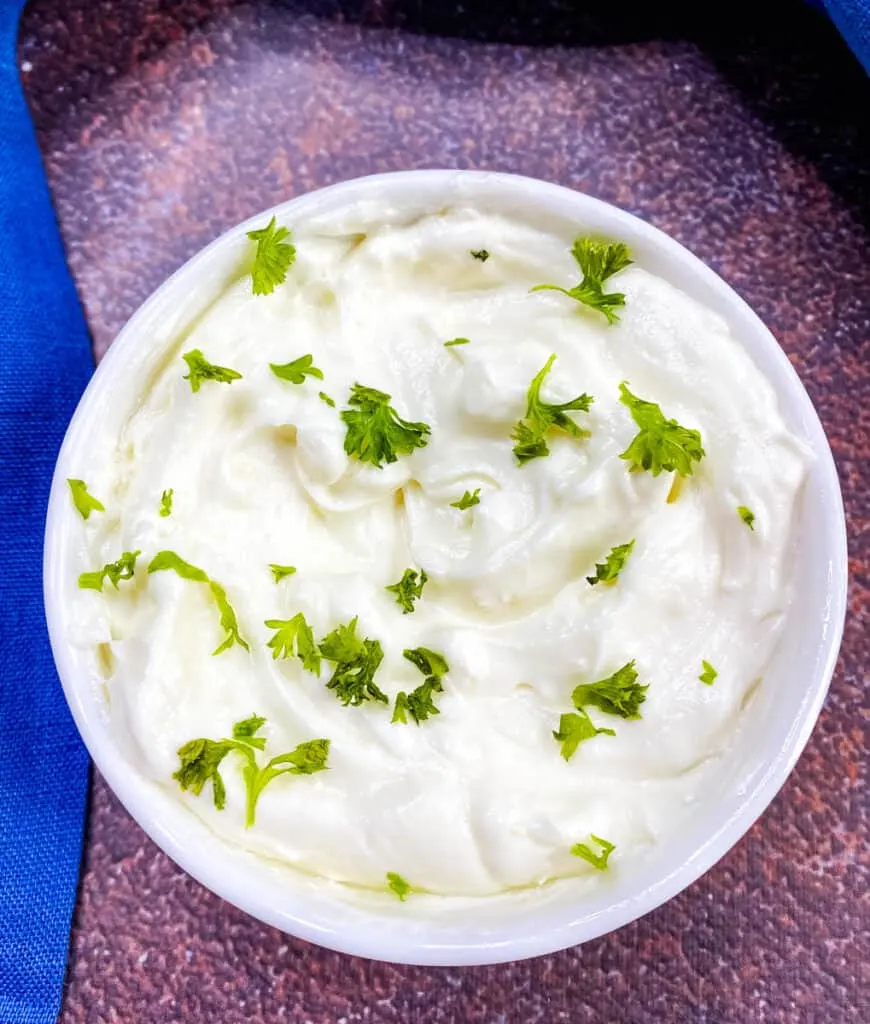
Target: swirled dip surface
{"x": 477, "y": 799}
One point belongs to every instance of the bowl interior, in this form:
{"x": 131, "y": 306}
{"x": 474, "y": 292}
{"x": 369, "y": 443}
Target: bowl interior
{"x": 466, "y": 931}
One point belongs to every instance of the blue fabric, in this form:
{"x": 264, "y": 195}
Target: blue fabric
{"x": 852, "y": 18}
{"x": 45, "y": 362}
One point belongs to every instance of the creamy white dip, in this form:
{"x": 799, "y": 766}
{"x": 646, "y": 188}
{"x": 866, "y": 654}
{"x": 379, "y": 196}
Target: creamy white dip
{"x": 477, "y": 799}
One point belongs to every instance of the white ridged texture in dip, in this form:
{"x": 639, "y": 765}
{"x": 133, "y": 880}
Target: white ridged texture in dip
{"x": 477, "y": 799}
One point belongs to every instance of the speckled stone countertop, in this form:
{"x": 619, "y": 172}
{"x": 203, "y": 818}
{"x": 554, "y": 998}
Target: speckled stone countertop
{"x": 742, "y": 131}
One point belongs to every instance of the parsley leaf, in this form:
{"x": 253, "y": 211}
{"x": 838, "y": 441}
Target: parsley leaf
{"x": 294, "y": 636}
{"x": 419, "y": 703}
{"x": 83, "y": 501}
{"x": 542, "y": 416}
{"x": 322, "y": 395}
{"x": 297, "y": 371}
{"x": 398, "y": 885}
{"x": 201, "y": 369}
{"x": 356, "y": 660}
{"x": 166, "y": 504}
{"x": 430, "y": 663}
{"x": 480, "y": 254}
{"x": 280, "y": 572}
{"x": 598, "y": 861}
{"x": 376, "y": 433}
{"x": 114, "y": 572}
{"x": 408, "y": 589}
{"x": 573, "y": 729}
{"x": 660, "y": 444}
{"x": 273, "y": 258}
{"x": 169, "y": 560}
{"x": 457, "y": 341}
{"x": 708, "y": 675}
{"x": 597, "y": 261}
{"x": 608, "y": 570}
{"x": 747, "y": 515}
{"x": 619, "y": 694}
{"x": 201, "y": 759}
{"x": 467, "y": 500}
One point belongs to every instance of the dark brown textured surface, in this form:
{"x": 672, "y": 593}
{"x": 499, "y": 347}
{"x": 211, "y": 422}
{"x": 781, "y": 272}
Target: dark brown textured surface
{"x": 163, "y": 123}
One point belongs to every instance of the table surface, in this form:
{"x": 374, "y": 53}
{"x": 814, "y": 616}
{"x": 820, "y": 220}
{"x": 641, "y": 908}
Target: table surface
{"x": 742, "y": 134}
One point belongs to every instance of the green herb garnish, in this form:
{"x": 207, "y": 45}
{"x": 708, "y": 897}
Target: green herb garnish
{"x": 480, "y": 254}
{"x": 598, "y": 861}
{"x": 619, "y": 694}
{"x": 608, "y": 570}
{"x": 747, "y": 515}
{"x": 114, "y": 572}
{"x": 467, "y": 500}
{"x": 297, "y": 371}
{"x": 408, "y": 589}
{"x": 597, "y": 261}
{"x": 457, "y": 341}
{"x": 294, "y": 636}
{"x": 541, "y": 417}
{"x": 708, "y": 675}
{"x": 660, "y": 444}
{"x": 201, "y": 369}
{"x": 419, "y": 703}
{"x": 169, "y": 560}
{"x": 322, "y": 395}
{"x": 201, "y": 759}
{"x": 356, "y": 660}
{"x": 166, "y": 503}
{"x": 376, "y": 433}
{"x": 273, "y": 258}
{"x": 398, "y": 885}
{"x": 281, "y": 572}
{"x": 574, "y": 728}
{"x": 84, "y": 502}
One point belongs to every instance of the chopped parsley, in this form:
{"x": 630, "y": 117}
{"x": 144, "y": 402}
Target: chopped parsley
{"x": 281, "y": 572}
{"x": 598, "y": 261}
{"x": 575, "y": 727}
{"x": 747, "y": 515}
{"x": 430, "y": 663}
{"x": 608, "y": 570}
{"x": 322, "y": 395}
{"x": 296, "y": 371}
{"x": 169, "y": 560}
{"x": 457, "y": 341}
{"x": 84, "y": 502}
{"x": 409, "y": 589}
{"x": 201, "y": 369}
{"x": 660, "y": 444}
{"x": 619, "y": 694}
{"x": 419, "y": 703}
{"x": 294, "y": 636}
{"x": 166, "y": 503}
{"x": 273, "y": 258}
{"x": 376, "y": 433}
{"x": 356, "y": 660}
{"x": 201, "y": 760}
{"x": 467, "y": 500}
{"x": 114, "y": 572}
{"x": 708, "y": 674}
{"x": 541, "y": 417}
{"x": 398, "y": 885}
{"x": 480, "y": 254}
{"x": 597, "y": 860}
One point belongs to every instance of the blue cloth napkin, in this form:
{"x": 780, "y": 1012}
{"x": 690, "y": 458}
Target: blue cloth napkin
{"x": 852, "y": 18}
{"x": 45, "y": 362}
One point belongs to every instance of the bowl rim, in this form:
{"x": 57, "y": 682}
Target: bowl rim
{"x": 410, "y": 947}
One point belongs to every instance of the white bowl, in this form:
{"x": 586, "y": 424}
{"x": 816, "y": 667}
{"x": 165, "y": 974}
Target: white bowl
{"x": 436, "y": 930}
